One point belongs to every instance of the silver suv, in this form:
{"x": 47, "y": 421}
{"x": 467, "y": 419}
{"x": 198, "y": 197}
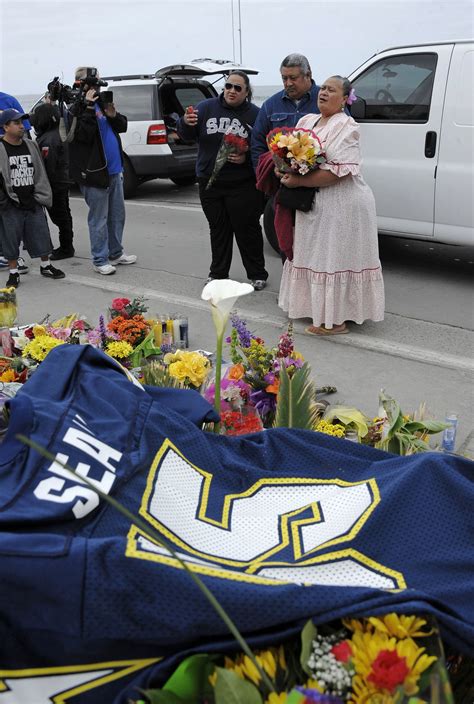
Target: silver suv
{"x": 153, "y": 103}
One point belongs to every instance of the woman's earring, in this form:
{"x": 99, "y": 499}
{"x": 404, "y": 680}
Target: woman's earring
{"x": 342, "y": 107}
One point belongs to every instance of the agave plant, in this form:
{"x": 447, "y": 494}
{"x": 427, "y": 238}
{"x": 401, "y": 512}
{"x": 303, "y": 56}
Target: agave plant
{"x": 296, "y": 404}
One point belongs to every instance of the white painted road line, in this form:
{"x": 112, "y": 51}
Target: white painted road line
{"x": 166, "y": 206}
{"x": 372, "y": 344}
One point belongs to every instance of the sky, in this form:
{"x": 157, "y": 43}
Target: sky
{"x": 40, "y": 39}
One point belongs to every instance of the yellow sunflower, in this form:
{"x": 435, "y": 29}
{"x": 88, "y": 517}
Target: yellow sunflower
{"x": 382, "y": 664}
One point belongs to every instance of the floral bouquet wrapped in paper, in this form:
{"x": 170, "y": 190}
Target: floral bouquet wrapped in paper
{"x": 295, "y": 150}
{"x": 231, "y": 144}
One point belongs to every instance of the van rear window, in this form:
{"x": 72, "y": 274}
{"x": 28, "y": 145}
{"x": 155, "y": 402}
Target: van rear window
{"x": 135, "y": 102}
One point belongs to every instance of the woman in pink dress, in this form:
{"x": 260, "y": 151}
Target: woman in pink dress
{"x": 335, "y": 275}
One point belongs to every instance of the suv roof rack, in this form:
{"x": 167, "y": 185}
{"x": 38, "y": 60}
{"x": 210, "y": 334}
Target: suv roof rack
{"x": 128, "y": 78}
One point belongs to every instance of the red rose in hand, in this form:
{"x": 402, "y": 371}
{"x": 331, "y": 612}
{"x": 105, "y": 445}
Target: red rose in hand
{"x": 342, "y": 651}
{"x": 388, "y": 670}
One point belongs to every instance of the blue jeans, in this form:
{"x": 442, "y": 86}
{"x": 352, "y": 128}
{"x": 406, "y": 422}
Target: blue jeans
{"x": 106, "y": 219}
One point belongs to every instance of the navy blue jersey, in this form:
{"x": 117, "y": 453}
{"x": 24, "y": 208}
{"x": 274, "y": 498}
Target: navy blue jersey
{"x": 281, "y": 525}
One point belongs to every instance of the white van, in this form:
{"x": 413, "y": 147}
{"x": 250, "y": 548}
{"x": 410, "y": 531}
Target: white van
{"x": 415, "y": 108}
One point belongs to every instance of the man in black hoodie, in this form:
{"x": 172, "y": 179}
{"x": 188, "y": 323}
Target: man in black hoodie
{"x": 56, "y": 160}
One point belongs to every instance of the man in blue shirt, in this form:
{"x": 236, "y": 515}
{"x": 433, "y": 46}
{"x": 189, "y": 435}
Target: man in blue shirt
{"x": 285, "y": 108}
{"x": 96, "y": 164}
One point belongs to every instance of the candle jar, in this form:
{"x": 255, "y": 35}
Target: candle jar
{"x": 8, "y": 309}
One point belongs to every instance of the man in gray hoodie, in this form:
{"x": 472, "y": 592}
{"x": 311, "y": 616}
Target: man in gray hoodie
{"x": 24, "y": 192}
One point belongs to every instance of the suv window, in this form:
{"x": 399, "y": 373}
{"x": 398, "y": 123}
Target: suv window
{"x": 191, "y": 95}
{"x": 135, "y": 102}
{"x": 398, "y": 89}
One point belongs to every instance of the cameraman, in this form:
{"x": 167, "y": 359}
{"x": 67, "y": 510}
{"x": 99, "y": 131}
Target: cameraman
{"x": 96, "y": 164}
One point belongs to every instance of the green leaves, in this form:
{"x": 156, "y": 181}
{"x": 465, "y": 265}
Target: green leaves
{"x": 155, "y": 374}
{"x": 296, "y": 407}
{"x": 348, "y": 416}
{"x": 308, "y": 634}
{"x": 232, "y": 689}
{"x": 403, "y": 435}
{"x": 187, "y": 683}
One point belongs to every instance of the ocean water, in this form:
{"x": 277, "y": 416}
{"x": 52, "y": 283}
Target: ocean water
{"x": 260, "y": 93}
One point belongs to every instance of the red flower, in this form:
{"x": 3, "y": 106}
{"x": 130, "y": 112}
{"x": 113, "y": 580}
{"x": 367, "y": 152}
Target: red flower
{"x": 342, "y": 651}
{"x": 29, "y": 333}
{"x": 238, "y": 144}
{"x": 388, "y": 670}
{"x": 78, "y": 325}
{"x": 120, "y": 303}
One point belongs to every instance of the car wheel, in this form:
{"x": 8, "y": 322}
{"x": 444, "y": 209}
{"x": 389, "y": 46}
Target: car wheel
{"x": 184, "y": 180}
{"x": 269, "y": 225}
{"x": 130, "y": 180}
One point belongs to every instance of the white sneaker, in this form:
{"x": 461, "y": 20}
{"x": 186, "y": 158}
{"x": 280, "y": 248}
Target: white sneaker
{"x": 124, "y": 259}
{"x": 105, "y": 269}
{"x": 3, "y": 263}
{"x": 23, "y": 268}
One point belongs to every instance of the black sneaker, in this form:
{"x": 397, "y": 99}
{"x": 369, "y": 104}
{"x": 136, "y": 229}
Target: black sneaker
{"x": 61, "y": 253}
{"x": 13, "y": 280}
{"x": 258, "y": 284}
{"x": 51, "y": 272}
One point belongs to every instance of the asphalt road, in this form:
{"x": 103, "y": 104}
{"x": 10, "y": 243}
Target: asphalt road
{"x": 422, "y": 351}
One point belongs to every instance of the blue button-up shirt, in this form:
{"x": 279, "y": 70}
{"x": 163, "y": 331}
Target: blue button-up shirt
{"x": 280, "y": 111}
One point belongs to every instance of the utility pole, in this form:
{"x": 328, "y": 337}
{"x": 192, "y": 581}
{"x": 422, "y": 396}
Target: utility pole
{"x": 233, "y": 29}
{"x": 240, "y": 33}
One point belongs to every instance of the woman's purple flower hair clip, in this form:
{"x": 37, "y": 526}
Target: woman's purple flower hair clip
{"x": 352, "y": 97}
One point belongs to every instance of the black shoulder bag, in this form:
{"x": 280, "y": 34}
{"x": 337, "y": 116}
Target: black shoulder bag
{"x": 299, "y": 198}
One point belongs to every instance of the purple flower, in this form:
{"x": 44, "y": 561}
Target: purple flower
{"x": 244, "y": 334}
{"x": 264, "y": 402}
{"x": 102, "y": 331}
{"x": 314, "y": 696}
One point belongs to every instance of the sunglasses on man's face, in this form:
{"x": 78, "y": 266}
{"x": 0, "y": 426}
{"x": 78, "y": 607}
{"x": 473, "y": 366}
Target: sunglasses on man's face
{"x": 235, "y": 86}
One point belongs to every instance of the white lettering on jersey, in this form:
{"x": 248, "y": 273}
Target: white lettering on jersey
{"x": 63, "y": 488}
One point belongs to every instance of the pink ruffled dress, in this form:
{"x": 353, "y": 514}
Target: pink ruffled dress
{"x": 335, "y": 275}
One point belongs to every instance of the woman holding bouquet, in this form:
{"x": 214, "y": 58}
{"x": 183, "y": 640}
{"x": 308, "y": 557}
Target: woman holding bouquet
{"x": 335, "y": 275}
{"x": 229, "y": 199}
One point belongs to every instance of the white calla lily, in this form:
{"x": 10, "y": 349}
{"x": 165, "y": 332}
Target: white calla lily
{"x": 222, "y": 295}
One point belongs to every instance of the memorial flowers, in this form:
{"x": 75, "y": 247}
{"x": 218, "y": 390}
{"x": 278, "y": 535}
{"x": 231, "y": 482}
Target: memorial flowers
{"x": 388, "y": 659}
{"x": 231, "y": 144}
{"x": 295, "y": 150}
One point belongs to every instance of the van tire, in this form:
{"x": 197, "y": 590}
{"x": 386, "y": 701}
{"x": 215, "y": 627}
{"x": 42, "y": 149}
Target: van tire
{"x": 269, "y": 225}
{"x": 184, "y": 180}
{"x": 130, "y": 179}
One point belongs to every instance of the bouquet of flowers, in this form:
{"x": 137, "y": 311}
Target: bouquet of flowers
{"x": 231, "y": 144}
{"x": 253, "y": 377}
{"x": 297, "y": 151}
{"x": 391, "y": 659}
{"x": 127, "y": 308}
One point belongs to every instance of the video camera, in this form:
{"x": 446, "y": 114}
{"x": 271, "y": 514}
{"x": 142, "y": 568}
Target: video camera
{"x": 62, "y": 93}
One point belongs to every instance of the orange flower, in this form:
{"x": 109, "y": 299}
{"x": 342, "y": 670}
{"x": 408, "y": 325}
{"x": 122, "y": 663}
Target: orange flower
{"x": 132, "y": 330}
{"x": 236, "y": 372}
{"x": 9, "y": 375}
{"x": 273, "y": 388}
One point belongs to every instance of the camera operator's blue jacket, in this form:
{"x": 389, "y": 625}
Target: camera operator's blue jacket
{"x": 87, "y": 162}
{"x": 280, "y": 111}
